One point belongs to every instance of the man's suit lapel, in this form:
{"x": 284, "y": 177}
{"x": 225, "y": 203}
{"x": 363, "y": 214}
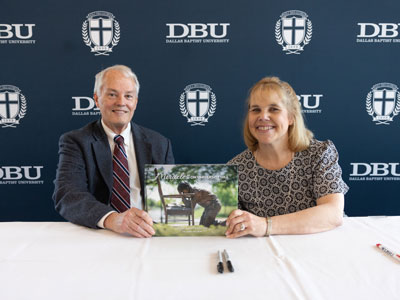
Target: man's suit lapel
{"x": 142, "y": 151}
{"x": 101, "y": 149}
{"x": 102, "y": 153}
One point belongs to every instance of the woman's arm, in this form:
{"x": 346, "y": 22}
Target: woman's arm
{"x": 327, "y": 215}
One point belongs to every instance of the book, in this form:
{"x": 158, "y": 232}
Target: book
{"x": 190, "y": 200}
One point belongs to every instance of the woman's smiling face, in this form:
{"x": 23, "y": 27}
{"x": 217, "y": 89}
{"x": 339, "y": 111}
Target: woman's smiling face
{"x": 269, "y": 118}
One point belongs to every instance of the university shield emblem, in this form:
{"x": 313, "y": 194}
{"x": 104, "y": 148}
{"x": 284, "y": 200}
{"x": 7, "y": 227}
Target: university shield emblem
{"x": 12, "y": 105}
{"x": 9, "y": 105}
{"x": 100, "y": 32}
{"x": 197, "y": 103}
{"x": 293, "y": 30}
{"x": 383, "y": 103}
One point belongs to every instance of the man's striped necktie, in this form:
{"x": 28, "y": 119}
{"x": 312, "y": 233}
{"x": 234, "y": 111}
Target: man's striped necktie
{"x": 120, "y": 199}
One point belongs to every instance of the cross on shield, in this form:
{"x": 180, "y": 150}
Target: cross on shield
{"x": 384, "y": 102}
{"x": 293, "y": 30}
{"x": 9, "y": 105}
{"x": 101, "y": 31}
{"x": 197, "y": 102}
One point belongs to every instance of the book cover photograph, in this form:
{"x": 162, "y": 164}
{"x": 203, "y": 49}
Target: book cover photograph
{"x": 190, "y": 200}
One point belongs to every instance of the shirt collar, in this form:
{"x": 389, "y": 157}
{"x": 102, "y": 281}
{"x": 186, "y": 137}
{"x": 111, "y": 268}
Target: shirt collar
{"x": 111, "y": 134}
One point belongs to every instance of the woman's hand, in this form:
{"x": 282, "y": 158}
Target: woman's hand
{"x": 242, "y": 223}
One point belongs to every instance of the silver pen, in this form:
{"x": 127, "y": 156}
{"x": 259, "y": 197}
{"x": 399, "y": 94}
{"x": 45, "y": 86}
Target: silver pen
{"x": 228, "y": 261}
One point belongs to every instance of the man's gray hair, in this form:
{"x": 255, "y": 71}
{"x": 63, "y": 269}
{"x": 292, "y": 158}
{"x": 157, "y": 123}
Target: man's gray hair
{"x": 126, "y": 71}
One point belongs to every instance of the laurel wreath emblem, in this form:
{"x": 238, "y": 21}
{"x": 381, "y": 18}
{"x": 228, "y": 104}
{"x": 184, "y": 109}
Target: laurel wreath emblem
{"x": 182, "y": 105}
{"x": 368, "y": 104}
{"x": 22, "y": 112}
{"x": 308, "y": 36}
{"x": 85, "y": 35}
{"x": 278, "y": 35}
{"x": 213, "y": 106}
{"x": 116, "y": 37}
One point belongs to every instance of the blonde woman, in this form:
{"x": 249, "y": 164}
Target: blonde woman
{"x": 289, "y": 182}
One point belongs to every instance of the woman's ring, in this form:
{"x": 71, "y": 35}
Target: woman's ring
{"x": 242, "y": 227}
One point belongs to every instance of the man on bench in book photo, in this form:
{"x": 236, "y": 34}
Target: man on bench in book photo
{"x": 205, "y": 199}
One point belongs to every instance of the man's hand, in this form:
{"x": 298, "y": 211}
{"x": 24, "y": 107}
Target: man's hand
{"x": 134, "y": 221}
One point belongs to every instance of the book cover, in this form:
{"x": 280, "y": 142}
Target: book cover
{"x": 190, "y": 200}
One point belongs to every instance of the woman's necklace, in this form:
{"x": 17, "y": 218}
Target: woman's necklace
{"x": 288, "y": 198}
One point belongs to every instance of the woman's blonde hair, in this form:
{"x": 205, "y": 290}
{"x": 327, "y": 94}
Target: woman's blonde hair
{"x": 299, "y": 135}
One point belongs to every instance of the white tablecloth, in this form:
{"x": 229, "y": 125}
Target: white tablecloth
{"x": 66, "y": 261}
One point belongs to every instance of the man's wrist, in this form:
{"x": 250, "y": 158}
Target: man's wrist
{"x": 100, "y": 223}
{"x": 108, "y": 221}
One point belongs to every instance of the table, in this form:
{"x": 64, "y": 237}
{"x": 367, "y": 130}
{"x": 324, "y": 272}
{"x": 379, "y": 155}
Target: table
{"x": 58, "y": 260}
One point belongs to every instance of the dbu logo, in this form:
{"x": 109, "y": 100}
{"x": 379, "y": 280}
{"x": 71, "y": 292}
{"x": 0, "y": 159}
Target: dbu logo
{"x": 381, "y": 30}
{"x": 20, "y": 31}
{"x": 84, "y": 103}
{"x": 23, "y": 172}
{"x": 309, "y": 101}
{"x": 197, "y": 30}
{"x": 375, "y": 169}
{"x": 84, "y": 106}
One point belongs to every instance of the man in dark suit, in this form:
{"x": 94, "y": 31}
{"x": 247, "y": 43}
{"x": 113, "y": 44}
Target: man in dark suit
{"x": 84, "y": 188}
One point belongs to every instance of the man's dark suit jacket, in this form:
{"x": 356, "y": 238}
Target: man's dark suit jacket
{"x": 84, "y": 179}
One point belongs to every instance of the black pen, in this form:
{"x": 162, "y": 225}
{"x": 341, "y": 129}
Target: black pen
{"x": 220, "y": 266}
{"x": 228, "y": 262}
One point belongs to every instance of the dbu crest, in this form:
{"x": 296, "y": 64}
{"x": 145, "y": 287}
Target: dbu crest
{"x": 383, "y": 102}
{"x": 12, "y": 105}
{"x": 293, "y": 31}
{"x": 197, "y": 103}
{"x": 101, "y": 32}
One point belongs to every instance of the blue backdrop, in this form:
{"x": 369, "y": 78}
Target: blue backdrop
{"x": 341, "y": 58}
